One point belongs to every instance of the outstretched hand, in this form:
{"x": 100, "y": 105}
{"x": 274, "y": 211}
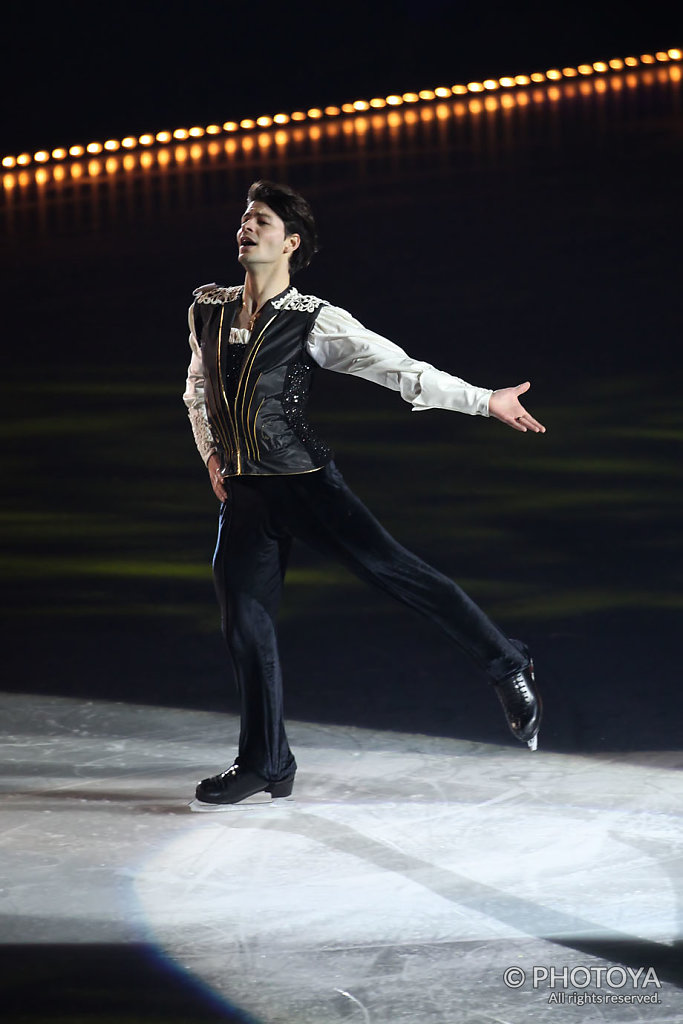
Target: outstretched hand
{"x": 507, "y": 408}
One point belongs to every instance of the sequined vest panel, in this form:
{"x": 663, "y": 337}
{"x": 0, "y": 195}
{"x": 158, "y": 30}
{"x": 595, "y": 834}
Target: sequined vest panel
{"x": 257, "y": 394}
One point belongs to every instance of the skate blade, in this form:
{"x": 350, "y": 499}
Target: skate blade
{"x": 257, "y": 800}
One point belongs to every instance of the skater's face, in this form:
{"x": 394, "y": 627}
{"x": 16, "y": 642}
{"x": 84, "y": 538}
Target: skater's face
{"x": 262, "y": 238}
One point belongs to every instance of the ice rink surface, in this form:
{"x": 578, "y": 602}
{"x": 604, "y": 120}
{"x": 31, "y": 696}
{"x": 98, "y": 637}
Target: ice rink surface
{"x": 404, "y": 879}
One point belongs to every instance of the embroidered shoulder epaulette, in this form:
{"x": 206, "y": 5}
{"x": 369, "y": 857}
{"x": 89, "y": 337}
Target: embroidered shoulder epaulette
{"x": 216, "y": 294}
{"x": 293, "y": 299}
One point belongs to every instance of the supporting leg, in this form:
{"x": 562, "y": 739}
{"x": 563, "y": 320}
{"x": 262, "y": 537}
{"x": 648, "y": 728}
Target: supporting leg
{"x": 249, "y": 566}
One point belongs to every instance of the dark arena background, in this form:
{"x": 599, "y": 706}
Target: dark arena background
{"x": 498, "y": 190}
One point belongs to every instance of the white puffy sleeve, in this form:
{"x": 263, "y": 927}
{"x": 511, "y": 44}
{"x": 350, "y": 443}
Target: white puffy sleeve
{"x": 194, "y": 396}
{"x": 339, "y": 342}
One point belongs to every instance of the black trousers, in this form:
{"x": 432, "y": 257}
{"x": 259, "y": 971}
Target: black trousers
{"x": 256, "y": 527}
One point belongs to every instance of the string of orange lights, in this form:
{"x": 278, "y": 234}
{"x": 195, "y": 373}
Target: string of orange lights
{"x": 488, "y": 85}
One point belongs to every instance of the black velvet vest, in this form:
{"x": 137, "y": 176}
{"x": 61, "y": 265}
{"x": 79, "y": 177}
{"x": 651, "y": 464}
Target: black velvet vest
{"x": 256, "y": 394}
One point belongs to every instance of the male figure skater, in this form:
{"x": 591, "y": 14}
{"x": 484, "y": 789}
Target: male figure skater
{"x": 254, "y": 350}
